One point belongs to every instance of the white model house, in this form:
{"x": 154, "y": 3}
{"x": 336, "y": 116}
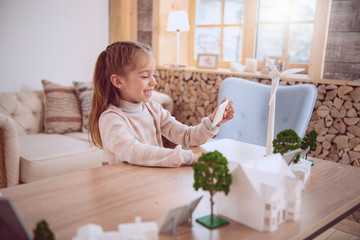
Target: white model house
{"x": 264, "y": 193}
{"x": 126, "y": 231}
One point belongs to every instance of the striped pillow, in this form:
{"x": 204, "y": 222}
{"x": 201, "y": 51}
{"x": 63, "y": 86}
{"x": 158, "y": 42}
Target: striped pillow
{"x": 84, "y": 91}
{"x": 62, "y": 108}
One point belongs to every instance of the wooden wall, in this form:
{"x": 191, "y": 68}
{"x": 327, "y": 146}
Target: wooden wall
{"x": 342, "y": 59}
{"x": 122, "y": 20}
{"x": 144, "y": 18}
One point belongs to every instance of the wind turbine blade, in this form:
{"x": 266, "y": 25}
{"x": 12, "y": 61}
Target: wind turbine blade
{"x": 291, "y": 71}
{"x": 270, "y": 64}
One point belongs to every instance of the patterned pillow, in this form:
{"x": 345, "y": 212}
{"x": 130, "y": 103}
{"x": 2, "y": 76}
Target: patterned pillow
{"x": 85, "y": 93}
{"x": 62, "y": 108}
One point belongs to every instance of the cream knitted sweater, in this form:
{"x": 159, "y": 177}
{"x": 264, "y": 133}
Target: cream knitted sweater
{"x": 132, "y": 133}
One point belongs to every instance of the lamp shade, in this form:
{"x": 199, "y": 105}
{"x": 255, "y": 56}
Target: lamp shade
{"x": 178, "y": 21}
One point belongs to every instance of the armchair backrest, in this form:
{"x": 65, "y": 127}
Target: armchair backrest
{"x": 294, "y": 107}
{"x": 26, "y": 109}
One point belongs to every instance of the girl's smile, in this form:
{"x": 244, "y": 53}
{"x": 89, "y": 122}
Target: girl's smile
{"x": 138, "y": 85}
{"x": 148, "y": 92}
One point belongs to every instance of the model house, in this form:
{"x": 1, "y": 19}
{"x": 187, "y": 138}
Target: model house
{"x": 264, "y": 193}
{"x": 137, "y": 230}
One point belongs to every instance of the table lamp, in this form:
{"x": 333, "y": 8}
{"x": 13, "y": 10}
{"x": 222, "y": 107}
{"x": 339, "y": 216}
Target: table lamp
{"x": 178, "y": 21}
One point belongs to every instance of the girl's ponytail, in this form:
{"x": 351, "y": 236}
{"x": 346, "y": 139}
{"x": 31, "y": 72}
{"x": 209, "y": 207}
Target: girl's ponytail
{"x": 100, "y": 100}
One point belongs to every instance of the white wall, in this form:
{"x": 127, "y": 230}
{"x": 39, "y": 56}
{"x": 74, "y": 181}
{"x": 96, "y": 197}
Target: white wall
{"x": 57, "y": 40}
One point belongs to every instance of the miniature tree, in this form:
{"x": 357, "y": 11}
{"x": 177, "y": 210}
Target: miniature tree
{"x": 310, "y": 140}
{"x": 211, "y": 173}
{"x": 285, "y": 141}
{"x": 43, "y": 232}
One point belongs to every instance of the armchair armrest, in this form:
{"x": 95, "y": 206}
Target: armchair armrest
{"x": 10, "y": 153}
{"x": 2, "y": 161}
{"x": 164, "y": 99}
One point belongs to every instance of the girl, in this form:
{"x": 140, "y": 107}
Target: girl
{"x": 126, "y": 124}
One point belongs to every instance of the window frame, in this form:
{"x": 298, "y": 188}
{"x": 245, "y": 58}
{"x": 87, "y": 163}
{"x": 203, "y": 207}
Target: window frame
{"x": 221, "y": 64}
{"x": 318, "y": 45}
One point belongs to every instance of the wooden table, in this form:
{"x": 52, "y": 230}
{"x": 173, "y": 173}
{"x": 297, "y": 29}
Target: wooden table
{"x": 116, "y": 194}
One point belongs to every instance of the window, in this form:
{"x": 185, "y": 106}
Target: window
{"x": 219, "y": 29}
{"x": 285, "y": 28}
{"x": 240, "y": 29}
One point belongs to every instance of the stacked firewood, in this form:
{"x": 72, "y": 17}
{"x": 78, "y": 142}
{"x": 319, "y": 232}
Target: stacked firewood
{"x": 194, "y": 94}
{"x": 336, "y": 115}
{"x": 336, "y": 119}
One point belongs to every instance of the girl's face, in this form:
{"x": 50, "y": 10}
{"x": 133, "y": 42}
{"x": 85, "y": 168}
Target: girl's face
{"x": 139, "y": 84}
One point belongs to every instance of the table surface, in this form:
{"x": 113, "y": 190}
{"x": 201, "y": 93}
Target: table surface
{"x": 116, "y": 194}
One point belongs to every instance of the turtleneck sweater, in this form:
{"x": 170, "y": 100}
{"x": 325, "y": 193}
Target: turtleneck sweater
{"x": 132, "y": 133}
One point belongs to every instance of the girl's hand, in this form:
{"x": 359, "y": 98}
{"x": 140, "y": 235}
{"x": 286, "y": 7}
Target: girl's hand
{"x": 196, "y": 157}
{"x": 197, "y": 152}
{"x": 228, "y": 114}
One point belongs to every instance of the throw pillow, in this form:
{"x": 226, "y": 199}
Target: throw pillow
{"x": 62, "y": 108}
{"x": 84, "y": 91}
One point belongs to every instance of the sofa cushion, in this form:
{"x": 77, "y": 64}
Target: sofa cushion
{"x": 48, "y": 155}
{"x": 62, "y": 108}
{"x": 84, "y": 91}
{"x": 26, "y": 109}
{"x": 80, "y": 136}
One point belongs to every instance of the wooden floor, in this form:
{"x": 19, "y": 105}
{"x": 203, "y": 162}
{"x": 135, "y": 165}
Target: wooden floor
{"x": 344, "y": 230}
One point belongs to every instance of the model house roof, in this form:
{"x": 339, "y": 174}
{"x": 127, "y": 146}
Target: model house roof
{"x": 271, "y": 171}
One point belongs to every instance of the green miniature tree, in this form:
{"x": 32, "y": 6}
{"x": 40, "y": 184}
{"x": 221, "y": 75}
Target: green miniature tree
{"x": 285, "y": 141}
{"x": 310, "y": 140}
{"x": 43, "y": 232}
{"x": 211, "y": 173}
{"x": 288, "y": 140}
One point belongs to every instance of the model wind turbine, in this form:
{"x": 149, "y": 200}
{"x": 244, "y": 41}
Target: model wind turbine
{"x": 275, "y": 78}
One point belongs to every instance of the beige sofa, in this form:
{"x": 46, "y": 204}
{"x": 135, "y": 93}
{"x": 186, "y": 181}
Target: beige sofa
{"x": 28, "y": 154}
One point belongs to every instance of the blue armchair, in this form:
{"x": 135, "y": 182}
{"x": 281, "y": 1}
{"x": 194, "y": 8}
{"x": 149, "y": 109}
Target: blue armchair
{"x": 294, "y": 107}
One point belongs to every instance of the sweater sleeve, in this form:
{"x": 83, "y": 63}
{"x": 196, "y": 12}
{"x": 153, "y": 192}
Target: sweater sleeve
{"x": 187, "y": 136}
{"x": 120, "y": 145}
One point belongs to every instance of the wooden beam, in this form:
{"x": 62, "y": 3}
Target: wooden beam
{"x": 249, "y": 31}
{"x": 122, "y": 20}
{"x": 191, "y": 49}
{"x": 318, "y": 46}
{"x": 155, "y": 29}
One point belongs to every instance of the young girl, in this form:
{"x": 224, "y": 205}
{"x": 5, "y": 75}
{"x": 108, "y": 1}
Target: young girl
{"x": 127, "y": 125}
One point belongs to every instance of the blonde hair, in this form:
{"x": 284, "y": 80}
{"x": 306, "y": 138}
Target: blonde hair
{"x": 119, "y": 58}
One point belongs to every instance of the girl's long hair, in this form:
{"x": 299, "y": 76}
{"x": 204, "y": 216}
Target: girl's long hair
{"x": 119, "y": 58}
